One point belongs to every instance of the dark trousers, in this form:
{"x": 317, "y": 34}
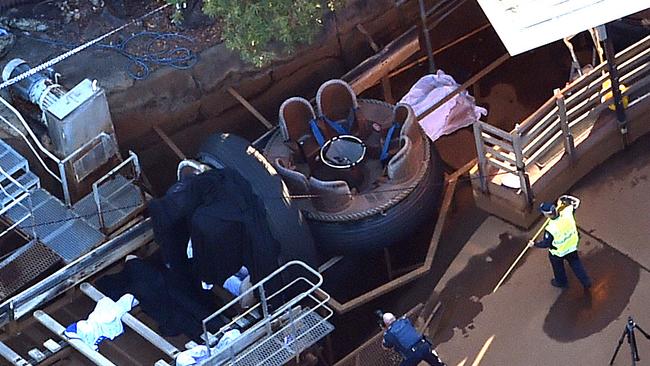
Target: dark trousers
{"x": 576, "y": 265}
{"x": 423, "y": 352}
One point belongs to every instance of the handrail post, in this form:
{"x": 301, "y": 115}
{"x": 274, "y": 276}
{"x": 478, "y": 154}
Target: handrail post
{"x": 569, "y": 145}
{"x": 64, "y": 184}
{"x": 480, "y": 154}
{"x": 265, "y": 309}
{"x": 517, "y": 149}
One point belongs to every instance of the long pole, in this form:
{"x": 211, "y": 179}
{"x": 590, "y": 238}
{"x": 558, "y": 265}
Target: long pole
{"x": 520, "y": 255}
{"x": 427, "y": 37}
{"x": 613, "y": 76}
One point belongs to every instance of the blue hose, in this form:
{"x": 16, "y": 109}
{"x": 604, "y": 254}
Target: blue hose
{"x": 173, "y": 55}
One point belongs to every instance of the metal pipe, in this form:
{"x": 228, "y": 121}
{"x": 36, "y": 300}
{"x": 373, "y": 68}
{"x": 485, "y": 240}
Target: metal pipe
{"x": 427, "y": 37}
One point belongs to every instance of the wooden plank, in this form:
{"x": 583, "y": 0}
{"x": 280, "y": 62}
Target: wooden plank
{"x": 633, "y": 50}
{"x": 496, "y": 131}
{"x": 531, "y": 147}
{"x": 501, "y": 165}
{"x": 440, "y": 50}
{"x": 584, "y": 107}
{"x": 169, "y": 142}
{"x": 370, "y": 71}
{"x": 250, "y": 108}
{"x": 541, "y": 126}
{"x": 496, "y": 154}
{"x": 504, "y": 145}
{"x": 552, "y": 142}
{"x": 530, "y": 123}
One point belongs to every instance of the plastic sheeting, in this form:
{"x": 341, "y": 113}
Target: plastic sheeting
{"x": 459, "y": 112}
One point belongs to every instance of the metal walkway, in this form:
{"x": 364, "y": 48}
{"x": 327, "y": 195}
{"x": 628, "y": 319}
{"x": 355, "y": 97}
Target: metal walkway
{"x": 56, "y": 226}
{"x": 119, "y": 200}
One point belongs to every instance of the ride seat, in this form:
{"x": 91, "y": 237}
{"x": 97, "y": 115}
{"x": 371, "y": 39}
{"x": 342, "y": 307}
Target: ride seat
{"x": 296, "y": 181}
{"x": 337, "y": 102}
{"x": 406, "y": 162}
{"x": 333, "y": 196}
{"x": 295, "y": 114}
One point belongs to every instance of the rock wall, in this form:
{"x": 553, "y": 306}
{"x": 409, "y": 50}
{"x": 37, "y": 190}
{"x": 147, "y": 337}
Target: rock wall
{"x": 189, "y": 104}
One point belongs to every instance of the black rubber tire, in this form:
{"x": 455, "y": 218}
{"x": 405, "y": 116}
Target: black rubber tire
{"x": 395, "y": 225}
{"x": 286, "y": 222}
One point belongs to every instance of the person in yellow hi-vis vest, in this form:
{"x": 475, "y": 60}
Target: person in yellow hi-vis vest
{"x": 561, "y": 238}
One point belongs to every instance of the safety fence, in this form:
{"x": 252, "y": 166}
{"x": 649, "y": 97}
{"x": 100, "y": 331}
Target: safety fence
{"x": 560, "y": 124}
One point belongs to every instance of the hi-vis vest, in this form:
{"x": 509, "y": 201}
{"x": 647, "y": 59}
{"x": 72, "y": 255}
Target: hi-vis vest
{"x": 565, "y": 233}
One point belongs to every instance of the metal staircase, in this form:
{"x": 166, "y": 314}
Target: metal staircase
{"x": 292, "y": 320}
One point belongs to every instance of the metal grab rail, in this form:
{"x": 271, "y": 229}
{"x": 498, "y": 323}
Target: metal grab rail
{"x": 263, "y": 327}
{"x": 132, "y": 159}
{"x": 553, "y": 127}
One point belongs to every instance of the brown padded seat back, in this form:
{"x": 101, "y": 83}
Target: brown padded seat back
{"x": 295, "y": 181}
{"x": 406, "y": 162}
{"x": 333, "y": 195}
{"x": 335, "y": 99}
{"x": 405, "y": 116}
{"x": 295, "y": 114}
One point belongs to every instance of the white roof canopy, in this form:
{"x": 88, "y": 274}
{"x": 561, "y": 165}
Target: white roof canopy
{"x": 526, "y": 24}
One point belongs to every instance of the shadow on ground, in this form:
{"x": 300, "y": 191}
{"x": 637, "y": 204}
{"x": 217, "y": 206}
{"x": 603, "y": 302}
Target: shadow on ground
{"x": 576, "y": 315}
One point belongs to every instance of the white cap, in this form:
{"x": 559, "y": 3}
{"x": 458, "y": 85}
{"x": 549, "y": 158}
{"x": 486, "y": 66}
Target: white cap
{"x": 388, "y": 318}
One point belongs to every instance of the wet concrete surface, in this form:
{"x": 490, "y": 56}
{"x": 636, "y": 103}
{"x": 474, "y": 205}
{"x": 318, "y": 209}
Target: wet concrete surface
{"x": 462, "y": 295}
{"x": 576, "y": 315}
{"x": 529, "y": 321}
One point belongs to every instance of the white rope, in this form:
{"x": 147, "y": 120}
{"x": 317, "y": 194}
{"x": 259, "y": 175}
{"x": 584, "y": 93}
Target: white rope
{"x": 76, "y": 50}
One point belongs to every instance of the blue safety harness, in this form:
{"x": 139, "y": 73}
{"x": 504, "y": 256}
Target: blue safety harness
{"x": 341, "y": 128}
{"x": 389, "y": 136}
{"x": 345, "y": 127}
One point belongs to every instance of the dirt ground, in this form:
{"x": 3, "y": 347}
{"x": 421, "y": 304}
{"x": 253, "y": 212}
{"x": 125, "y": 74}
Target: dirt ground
{"x": 73, "y": 22}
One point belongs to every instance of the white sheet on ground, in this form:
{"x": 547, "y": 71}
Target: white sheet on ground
{"x": 459, "y": 112}
{"x": 105, "y": 322}
{"x": 199, "y": 353}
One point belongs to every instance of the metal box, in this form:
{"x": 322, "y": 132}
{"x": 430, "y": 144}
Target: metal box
{"x": 78, "y": 117}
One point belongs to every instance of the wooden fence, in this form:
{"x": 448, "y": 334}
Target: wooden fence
{"x": 560, "y": 123}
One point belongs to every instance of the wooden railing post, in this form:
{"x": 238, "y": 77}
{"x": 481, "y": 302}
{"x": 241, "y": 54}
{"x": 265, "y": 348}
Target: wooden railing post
{"x": 569, "y": 145}
{"x": 517, "y": 148}
{"x": 480, "y": 154}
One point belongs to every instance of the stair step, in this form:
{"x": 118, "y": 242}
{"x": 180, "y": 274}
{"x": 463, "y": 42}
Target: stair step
{"x": 120, "y": 199}
{"x": 26, "y": 264}
{"x": 56, "y": 226}
{"x": 12, "y": 191}
{"x": 10, "y": 161}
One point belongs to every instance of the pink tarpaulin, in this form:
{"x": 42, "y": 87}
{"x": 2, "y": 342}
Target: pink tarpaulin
{"x": 459, "y": 112}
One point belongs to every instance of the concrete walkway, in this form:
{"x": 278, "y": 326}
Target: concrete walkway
{"x": 529, "y": 322}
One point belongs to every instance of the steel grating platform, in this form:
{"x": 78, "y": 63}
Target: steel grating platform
{"x": 11, "y": 191}
{"x": 25, "y": 265}
{"x": 280, "y": 347}
{"x": 119, "y": 199}
{"x": 56, "y": 226}
{"x": 10, "y": 161}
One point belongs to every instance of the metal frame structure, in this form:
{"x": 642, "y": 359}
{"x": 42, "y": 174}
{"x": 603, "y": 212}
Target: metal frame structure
{"x": 259, "y": 343}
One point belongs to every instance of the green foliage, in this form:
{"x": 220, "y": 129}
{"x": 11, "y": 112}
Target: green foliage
{"x": 179, "y": 5}
{"x": 258, "y": 29}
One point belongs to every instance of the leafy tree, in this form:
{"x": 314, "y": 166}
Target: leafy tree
{"x": 260, "y": 29}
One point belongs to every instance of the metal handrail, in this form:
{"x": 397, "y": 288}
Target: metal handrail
{"x": 136, "y": 163}
{"x": 260, "y": 287}
{"x": 320, "y": 304}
